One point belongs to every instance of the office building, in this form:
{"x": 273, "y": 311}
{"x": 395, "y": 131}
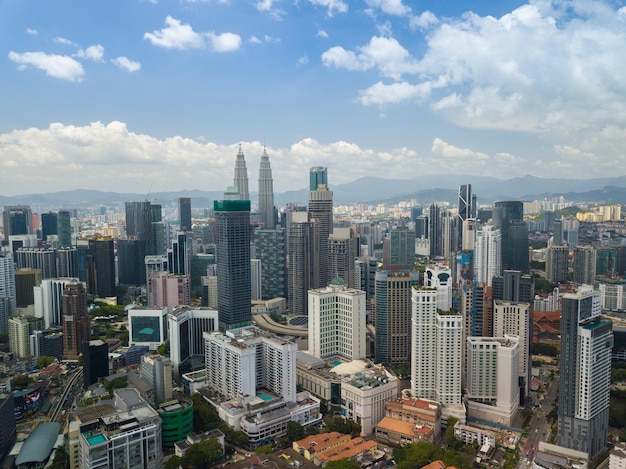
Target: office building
{"x": 184, "y": 213}
{"x": 492, "y": 378}
{"x": 393, "y": 316}
{"x": 67, "y": 262}
{"x": 337, "y": 322}
{"x": 321, "y": 209}
{"x": 127, "y": 438}
{"x": 266, "y": 193}
{"x": 19, "y": 333}
{"x": 401, "y": 250}
{"x": 25, "y": 281}
{"x": 48, "y": 300}
{"x": 168, "y": 290}
{"x": 179, "y": 256}
{"x": 365, "y": 270}
{"x": 557, "y": 261}
{"x": 176, "y": 421}
{"x": 269, "y": 246}
{"x": 584, "y": 373}
{"x": 64, "y": 228}
{"x": 435, "y": 234}
{"x": 147, "y": 327}
{"x": 140, "y": 217}
{"x": 584, "y": 265}
{"x": 233, "y": 261}
{"x": 343, "y": 249}
{"x": 303, "y": 260}
{"x": 487, "y": 254}
{"x": 76, "y": 323}
{"x": 95, "y": 361}
{"x": 101, "y": 267}
{"x": 157, "y": 372}
{"x": 514, "y": 286}
{"x": 49, "y": 225}
{"x": 131, "y": 262}
{"x": 512, "y": 318}
{"x": 241, "y": 176}
{"x": 437, "y": 340}
{"x": 508, "y": 216}
{"x": 209, "y": 292}
{"x": 186, "y": 326}
{"x": 8, "y": 293}
{"x": 17, "y": 220}
{"x": 476, "y": 307}
{"x": 42, "y": 259}
{"x": 467, "y": 211}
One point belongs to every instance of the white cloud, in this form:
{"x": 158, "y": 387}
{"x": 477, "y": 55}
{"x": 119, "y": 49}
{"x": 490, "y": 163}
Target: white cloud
{"x": 62, "y": 40}
{"x": 182, "y": 36}
{"x": 332, "y": 6}
{"x": 269, "y": 6}
{"x": 303, "y": 60}
{"x": 57, "y": 66}
{"x": 424, "y": 20}
{"x": 390, "y": 7}
{"x": 384, "y": 53}
{"x": 95, "y": 53}
{"x": 32, "y": 32}
{"x": 271, "y": 39}
{"x": 254, "y": 40}
{"x": 446, "y": 150}
{"x": 322, "y": 33}
{"x": 175, "y": 36}
{"x": 380, "y": 93}
{"x": 126, "y": 64}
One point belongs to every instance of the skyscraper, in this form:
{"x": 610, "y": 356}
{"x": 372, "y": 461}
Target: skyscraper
{"x": 37, "y": 258}
{"x": 131, "y": 262}
{"x": 557, "y": 258}
{"x": 76, "y": 325}
{"x": 584, "y": 265}
{"x": 233, "y": 261}
{"x": 266, "y": 192}
{"x": 508, "y": 216}
{"x": 467, "y": 209}
{"x": 393, "y": 316}
{"x": 303, "y": 261}
{"x": 269, "y": 245}
{"x": 513, "y": 286}
{"x": 139, "y": 219}
{"x": 401, "y": 249}
{"x": 487, "y": 254}
{"x": 49, "y": 225}
{"x": 343, "y": 249}
{"x": 101, "y": 267}
{"x": 67, "y": 262}
{"x": 64, "y": 228}
{"x": 7, "y": 290}
{"x": 584, "y": 373}
{"x": 184, "y": 213}
{"x": 95, "y": 361}
{"x": 321, "y": 209}
{"x": 179, "y": 256}
{"x": 17, "y": 220}
{"x": 241, "y": 176}
{"x": 435, "y": 235}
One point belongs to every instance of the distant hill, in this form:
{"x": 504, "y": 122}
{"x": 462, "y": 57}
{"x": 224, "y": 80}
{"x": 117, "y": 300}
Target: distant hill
{"x": 372, "y": 190}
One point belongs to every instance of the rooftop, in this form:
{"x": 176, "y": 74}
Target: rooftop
{"x": 39, "y": 444}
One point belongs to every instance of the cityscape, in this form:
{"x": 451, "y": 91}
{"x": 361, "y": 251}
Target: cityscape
{"x": 479, "y": 334}
{"x": 276, "y": 234}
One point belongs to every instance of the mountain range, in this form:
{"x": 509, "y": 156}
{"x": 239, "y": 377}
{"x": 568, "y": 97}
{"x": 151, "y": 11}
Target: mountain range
{"x": 368, "y": 190}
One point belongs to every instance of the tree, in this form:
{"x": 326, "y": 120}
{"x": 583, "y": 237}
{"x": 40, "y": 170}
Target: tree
{"x": 4, "y": 338}
{"x": 452, "y": 441}
{"x": 164, "y": 349}
{"x": 115, "y": 383}
{"x": 200, "y": 455}
{"x": 295, "y": 431}
{"x": 44, "y": 361}
{"x": 343, "y": 464}
{"x": 174, "y": 462}
{"x": 61, "y": 461}
{"x": 21, "y": 381}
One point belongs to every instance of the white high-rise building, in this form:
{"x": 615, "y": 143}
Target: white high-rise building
{"x": 436, "y": 358}
{"x": 511, "y": 318}
{"x": 186, "y": 328}
{"x": 440, "y": 277}
{"x": 487, "y": 254}
{"x": 492, "y": 378}
{"x": 7, "y": 290}
{"x": 244, "y": 360}
{"x": 19, "y": 341}
{"x": 337, "y": 322}
{"x": 256, "y": 290}
{"x": 48, "y": 300}
{"x": 147, "y": 327}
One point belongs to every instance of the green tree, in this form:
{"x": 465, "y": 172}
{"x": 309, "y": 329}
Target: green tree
{"x": 44, "y": 361}
{"x": 200, "y": 455}
{"x": 295, "y": 431}
{"x": 115, "y": 383}
{"x": 164, "y": 349}
{"x": 343, "y": 425}
{"x": 343, "y": 464}
{"x": 4, "y": 338}
{"x": 21, "y": 381}
{"x": 451, "y": 440}
{"x": 60, "y": 461}
{"x": 174, "y": 462}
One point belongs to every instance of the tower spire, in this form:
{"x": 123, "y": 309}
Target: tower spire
{"x": 241, "y": 175}
{"x": 266, "y": 192}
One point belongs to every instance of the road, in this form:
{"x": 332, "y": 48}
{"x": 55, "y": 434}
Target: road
{"x": 66, "y": 398}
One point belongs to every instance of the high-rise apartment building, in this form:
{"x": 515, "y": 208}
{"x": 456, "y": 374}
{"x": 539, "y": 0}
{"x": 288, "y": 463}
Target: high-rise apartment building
{"x": 557, "y": 260}
{"x": 266, "y": 193}
{"x": 584, "y": 265}
{"x": 303, "y": 260}
{"x": 76, "y": 324}
{"x": 487, "y": 254}
{"x": 343, "y": 249}
{"x": 241, "y": 176}
{"x": 184, "y": 213}
{"x": 508, "y": 216}
{"x": 269, "y": 246}
{"x": 437, "y": 340}
{"x": 321, "y": 209}
{"x": 7, "y": 290}
{"x": 584, "y": 373}
{"x": 42, "y": 259}
{"x": 186, "y": 326}
{"x": 393, "y": 316}
{"x": 337, "y": 322}
{"x": 67, "y": 262}
{"x": 233, "y": 261}
{"x": 19, "y": 336}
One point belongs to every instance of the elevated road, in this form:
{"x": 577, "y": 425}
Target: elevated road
{"x": 264, "y": 321}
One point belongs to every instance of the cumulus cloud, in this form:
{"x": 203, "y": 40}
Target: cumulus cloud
{"x": 64, "y": 41}
{"x": 424, "y": 20}
{"x": 254, "y": 40}
{"x": 177, "y": 35}
{"x": 446, "y": 150}
{"x": 390, "y": 7}
{"x": 126, "y": 64}
{"x": 322, "y": 33}
{"x": 332, "y": 6}
{"x": 57, "y": 66}
{"x": 269, "y": 6}
{"x": 383, "y": 53}
{"x": 303, "y": 60}
{"x": 95, "y": 53}
{"x": 32, "y": 32}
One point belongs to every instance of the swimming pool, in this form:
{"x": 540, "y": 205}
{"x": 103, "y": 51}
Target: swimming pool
{"x": 264, "y": 396}
{"x": 96, "y": 439}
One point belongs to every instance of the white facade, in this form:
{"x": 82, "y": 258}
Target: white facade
{"x": 612, "y": 296}
{"x": 441, "y": 278}
{"x": 19, "y": 342}
{"x": 337, "y": 323}
{"x": 364, "y": 397}
{"x": 48, "y": 300}
{"x": 147, "y": 327}
{"x": 256, "y": 292}
{"x": 514, "y": 319}
{"x": 7, "y": 289}
{"x": 436, "y": 358}
{"x": 248, "y": 359}
{"x": 487, "y": 254}
{"x": 186, "y": 328}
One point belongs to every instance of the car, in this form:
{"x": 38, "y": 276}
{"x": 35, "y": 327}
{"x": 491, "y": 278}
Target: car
{"x": 248, "y": 455}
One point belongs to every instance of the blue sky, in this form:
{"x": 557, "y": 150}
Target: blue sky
{"x": 128, "y": 95}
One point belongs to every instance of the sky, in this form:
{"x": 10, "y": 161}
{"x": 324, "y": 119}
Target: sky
{"x": 139, "y": 95}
